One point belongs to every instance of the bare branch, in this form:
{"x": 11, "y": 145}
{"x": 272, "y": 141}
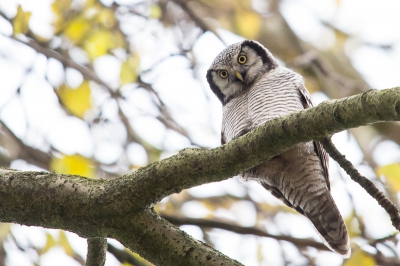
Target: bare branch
{"x": 389, "y": 207}
{"x": 242, "y": 230}
{"x": 31, "y": 155}
{"x": 193, "y": 14}
{"x": 87, "y": 73}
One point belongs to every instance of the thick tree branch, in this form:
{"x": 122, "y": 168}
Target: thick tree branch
{"x": 120, "y": 208}
{"x": 153, "y": 237}
{"x": 196, "y": 166}
{"x": 242, "y": 230}
{"x": 97, "y": 247}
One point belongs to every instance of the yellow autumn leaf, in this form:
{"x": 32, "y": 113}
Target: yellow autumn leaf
{"x": 73, "y": 164}
{"x": 311, "y": 83}
{"x": 341, "y": 39}
{"x": 98, "y": 43}
{"x": 60, "y": 8}
{"x": 351, "y": 224}
{"x": 89, "y": 3}
{"x": 119, "y": 39}
{"x": 155, "y": 11}
{"x": 137, "y": 257}
{"x": 247, "y": 23}
{"x": 358, "y": 258}
{"x": 21, "y": 21}
{"x": 106, "y": 17}
{"x": 392, "y": 175}
{"x": 4, "y": 230}
{"x": 77, "y": 29}
{"x": 76, "y": 100}
{"x": 129, "y": 69}
{"x": 50, "y": 242}
{"x": 63, "y": 241}
{"x": 209, "y": 205}
{"x": 260, "y": 256}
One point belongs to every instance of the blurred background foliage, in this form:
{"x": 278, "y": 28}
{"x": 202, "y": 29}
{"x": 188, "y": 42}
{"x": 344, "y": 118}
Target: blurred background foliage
{"x": 101, "y": 88}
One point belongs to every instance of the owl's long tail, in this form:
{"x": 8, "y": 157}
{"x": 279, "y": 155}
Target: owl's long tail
{"x": 327, "y": 220}
{"x": 322, "y": 211}
{"x": 297, "y": 178}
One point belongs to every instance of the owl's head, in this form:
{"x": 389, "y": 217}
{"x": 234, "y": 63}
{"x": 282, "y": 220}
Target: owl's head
{"x": 237, "y": 67}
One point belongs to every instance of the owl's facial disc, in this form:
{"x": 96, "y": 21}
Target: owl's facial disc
{"x": 237, "y": 68}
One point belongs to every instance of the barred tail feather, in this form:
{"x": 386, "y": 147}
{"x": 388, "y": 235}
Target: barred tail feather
{"x": 325, "y": 217}
{"x": 330, "y": 225}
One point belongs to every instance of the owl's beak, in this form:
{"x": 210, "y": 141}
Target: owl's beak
{"x": 239, "y": 76}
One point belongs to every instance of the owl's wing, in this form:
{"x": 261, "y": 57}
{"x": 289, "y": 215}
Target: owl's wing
{"x": 323, "y": 156}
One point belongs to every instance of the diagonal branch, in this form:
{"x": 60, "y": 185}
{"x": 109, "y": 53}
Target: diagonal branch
{"x": 192, "y": 167}
{"x": 200, "y": 21}
{"x": 31, "y": 155}
{"x": 86, "y": 72}
{"x": 242, "y": 230}
{"x": 372, "y": 190}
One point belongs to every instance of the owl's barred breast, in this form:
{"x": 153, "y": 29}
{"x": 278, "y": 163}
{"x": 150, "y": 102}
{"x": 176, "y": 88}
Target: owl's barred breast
{"x": 272, "y": 95}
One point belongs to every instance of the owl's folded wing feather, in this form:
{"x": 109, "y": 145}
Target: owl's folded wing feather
{"x": 323, "y": 156}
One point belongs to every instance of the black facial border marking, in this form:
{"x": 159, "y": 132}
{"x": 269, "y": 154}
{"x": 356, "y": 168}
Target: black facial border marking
{"x": 214, "y": 87}
{"x": 267, "y": 60}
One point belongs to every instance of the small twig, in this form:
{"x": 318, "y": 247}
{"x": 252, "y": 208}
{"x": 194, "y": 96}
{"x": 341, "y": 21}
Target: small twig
{"x": 200, "y": 22}
{"x": 97, "y": 247}
{"x": 31, "y": 155}
{"x": 242, "y": 230}
{"x": 389, "y": 207}
{"x": 87, "y": 73}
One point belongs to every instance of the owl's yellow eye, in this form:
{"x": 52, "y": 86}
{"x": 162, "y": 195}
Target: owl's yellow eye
{"x": 223, "y": 74}
{"x": 242, "y": 59}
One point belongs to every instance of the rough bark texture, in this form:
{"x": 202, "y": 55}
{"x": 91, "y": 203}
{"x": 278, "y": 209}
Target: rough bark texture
{"x": 121, "y": 208}
{"x": 97, "y": 247}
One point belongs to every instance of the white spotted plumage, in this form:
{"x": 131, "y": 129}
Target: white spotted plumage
{"x": 299, "y": 176}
